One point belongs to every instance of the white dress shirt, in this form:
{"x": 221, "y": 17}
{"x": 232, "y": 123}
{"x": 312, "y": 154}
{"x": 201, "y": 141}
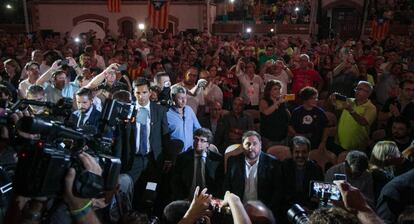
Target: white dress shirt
{"x": 138, "y": 126}
{"x": 250, "y": 183}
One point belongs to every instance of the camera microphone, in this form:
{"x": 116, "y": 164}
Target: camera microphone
{"x": 35, "y": 125}
{"x": 31, "y": 102}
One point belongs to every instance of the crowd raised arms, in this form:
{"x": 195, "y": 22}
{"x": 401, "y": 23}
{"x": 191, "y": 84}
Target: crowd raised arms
{"x": 206, "y": 128}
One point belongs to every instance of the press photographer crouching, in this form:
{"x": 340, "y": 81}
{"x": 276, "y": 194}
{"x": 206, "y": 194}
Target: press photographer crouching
{"x": 44, "y": 170}
{"x": 353, "y": 208}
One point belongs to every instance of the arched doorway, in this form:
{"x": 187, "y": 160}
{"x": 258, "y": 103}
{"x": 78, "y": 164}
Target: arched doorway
{"x": 341, "y": 17}
{"x": 127, "y": 29}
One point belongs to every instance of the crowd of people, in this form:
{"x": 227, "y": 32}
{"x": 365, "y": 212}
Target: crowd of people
{"x": 249, "y": 119}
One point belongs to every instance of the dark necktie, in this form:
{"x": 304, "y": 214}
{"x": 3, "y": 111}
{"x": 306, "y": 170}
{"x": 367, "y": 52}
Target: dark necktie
{"x": 81, "y": 119}
{"x": 199, "y": 177}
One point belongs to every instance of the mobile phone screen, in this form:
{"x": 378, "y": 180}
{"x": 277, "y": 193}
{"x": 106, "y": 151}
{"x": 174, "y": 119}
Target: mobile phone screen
{"x": 324, "y": 191}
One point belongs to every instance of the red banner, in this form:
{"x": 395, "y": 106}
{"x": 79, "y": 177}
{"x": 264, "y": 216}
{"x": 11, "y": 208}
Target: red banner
{"x": 158, "y": 14}
{"x": 114, "y": 5}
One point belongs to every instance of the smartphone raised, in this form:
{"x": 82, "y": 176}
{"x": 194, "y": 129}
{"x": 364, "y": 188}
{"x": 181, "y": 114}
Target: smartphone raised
{"x": 324, "y": 191}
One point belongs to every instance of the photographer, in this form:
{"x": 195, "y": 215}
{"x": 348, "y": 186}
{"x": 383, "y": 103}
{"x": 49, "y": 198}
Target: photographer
{"x": 80, "y": 208}
{"x": 200, "y": 208}
{"x": 357, "y": 116}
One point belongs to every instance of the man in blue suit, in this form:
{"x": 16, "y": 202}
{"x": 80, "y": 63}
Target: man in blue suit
{"x": 86, "y": 114}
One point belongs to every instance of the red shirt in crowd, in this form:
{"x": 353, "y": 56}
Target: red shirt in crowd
{"x": 303, "y": 78}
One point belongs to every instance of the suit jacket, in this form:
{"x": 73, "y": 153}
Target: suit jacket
{"x": 93, "y": 118}
{"x": 311, "y": 172}
{"x": 182, "y": 177}
{"x": 270, "y": 183}
{"x": 126, "y": 132}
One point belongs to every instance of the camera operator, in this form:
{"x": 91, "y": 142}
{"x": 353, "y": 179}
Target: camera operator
{"x": 162, "y": 80}
{"x": 37, "y": 93}
{"x": 80, "y": 208}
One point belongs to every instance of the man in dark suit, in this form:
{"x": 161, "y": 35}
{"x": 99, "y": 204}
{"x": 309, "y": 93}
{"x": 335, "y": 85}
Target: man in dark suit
{"x": 140, "y": 143}
{"x": 255, "y": 175}
{"x": 198, "y": 167}
{"x": 299, "y": 172}
{"x": 87, "y": 114}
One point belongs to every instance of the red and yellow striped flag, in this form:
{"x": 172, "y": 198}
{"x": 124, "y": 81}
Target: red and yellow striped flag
{"x": 114, "y": 5}
{"x": 158, "y": 14}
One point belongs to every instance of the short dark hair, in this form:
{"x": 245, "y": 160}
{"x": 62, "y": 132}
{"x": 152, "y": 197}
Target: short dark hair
{"x": 85, "y": 92}
{"x": 58, "y": 72}
{"x": 158, "y": 76}
{"x": 405, "y": 81}
{"x": 402, "y": 120}
{"x": 175, "y": 211}
{"x": 154, "y": 65}
{"x": 4, "y": 90}
{"x": 251, "y": 133}
{"x": 307, "y": 92}
{"x": 141, "y": 82}
{"x": 35, "y": 89}
{"x": 357, "y": 161}
{"x": 204, "y": 132}
{"x": 300, "y": 140}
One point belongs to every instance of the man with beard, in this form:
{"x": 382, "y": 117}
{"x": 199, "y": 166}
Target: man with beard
{"x": 401, "y": 133}
{"x": 86, "y": 114}
{"x": 255, "y": 175}
{"x": 299, "y": 172}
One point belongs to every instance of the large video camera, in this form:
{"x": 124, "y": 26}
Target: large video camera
{"x": 42, "y": 167}
{"x": 62, "y": 108}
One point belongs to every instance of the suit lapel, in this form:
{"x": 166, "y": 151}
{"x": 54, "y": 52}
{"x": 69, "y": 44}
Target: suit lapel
{"x": 153, "y": 114}
{"x": 260, "y": 174}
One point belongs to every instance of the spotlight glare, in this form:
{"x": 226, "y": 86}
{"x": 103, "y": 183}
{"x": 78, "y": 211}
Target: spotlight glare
{"x": 8, "y": 6}
{"x": 141, "y": 26}
{"x": 248, "y": 30}
{"x": 272, "y": 30}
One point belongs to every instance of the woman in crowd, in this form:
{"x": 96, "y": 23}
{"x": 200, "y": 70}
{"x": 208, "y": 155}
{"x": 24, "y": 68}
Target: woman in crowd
{"x": 13, "y": 72}
{"x": 273, "y": 113}
{"x": 384, "y": 157}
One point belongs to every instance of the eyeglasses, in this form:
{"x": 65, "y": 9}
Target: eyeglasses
{"x": 200, "y": 140}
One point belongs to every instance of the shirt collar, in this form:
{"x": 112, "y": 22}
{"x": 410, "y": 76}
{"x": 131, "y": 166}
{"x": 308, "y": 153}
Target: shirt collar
{"x": 138, "y": 106}
{"x": 256, "y": 164}
{"x": 203, "y": 154}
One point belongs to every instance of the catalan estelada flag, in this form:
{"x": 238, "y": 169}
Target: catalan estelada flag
{"x": 379, "y": 29}
{"x": 114, "y": 5}
{"x": 158, "y": 14}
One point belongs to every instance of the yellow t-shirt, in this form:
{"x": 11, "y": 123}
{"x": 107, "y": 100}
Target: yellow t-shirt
{"x": 351, "y": 135}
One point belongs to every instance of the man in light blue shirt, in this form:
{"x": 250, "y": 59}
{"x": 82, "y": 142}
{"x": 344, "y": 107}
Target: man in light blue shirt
{"x": 182, "y": 121}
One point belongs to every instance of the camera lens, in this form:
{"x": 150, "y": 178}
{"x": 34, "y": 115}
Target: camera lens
{"x": 297, "y": 215}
